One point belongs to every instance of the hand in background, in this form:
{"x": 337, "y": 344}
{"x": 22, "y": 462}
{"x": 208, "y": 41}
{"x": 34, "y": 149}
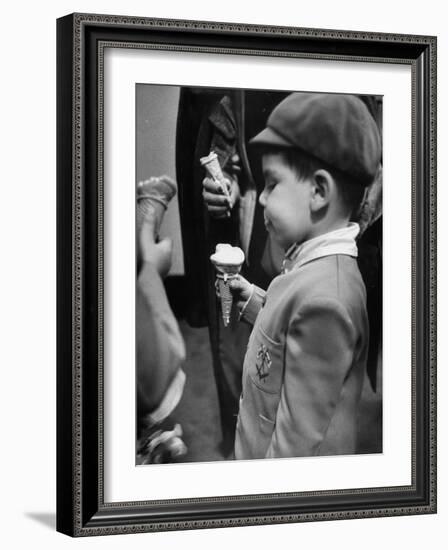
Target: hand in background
{"x": 218, "y": 204}
{"x": 233, "y": 167}
{"x": 159, "y": 254}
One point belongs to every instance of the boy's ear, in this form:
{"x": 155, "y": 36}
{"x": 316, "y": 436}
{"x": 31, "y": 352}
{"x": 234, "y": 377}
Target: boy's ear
{"x": 323, "y": 187}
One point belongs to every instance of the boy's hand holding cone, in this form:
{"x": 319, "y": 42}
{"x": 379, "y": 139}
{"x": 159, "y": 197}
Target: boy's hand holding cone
{"x": 241, "y": 290}
{"x": 228, "y": 261}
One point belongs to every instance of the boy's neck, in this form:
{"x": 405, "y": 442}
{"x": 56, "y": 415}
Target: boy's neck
{"x": 341, "y": 240}
{"x": 324, "y": 228}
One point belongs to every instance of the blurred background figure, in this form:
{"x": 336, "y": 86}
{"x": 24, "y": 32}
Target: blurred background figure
{"x": 160, "y": 346}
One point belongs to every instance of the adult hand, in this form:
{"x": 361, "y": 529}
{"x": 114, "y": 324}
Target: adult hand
{"x": 233, "y": 167}
{"x": 159, "y": 254}
{"x": 218, "y": 204}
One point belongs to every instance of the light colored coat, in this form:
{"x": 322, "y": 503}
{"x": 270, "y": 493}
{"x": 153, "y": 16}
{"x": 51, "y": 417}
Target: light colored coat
{"x": 305, "y": 363}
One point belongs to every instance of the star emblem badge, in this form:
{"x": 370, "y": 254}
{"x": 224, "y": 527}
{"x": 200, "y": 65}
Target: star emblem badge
{"x": 263, "y": 363}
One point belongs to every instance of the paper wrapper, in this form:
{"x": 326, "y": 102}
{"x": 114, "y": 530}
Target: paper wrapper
{"x": 154, "y": 195}
{"x": 213, "y": 168}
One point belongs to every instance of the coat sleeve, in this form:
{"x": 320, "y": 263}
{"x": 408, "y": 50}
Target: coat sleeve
{"x": 252, "y": 307}
{"x": 319, "y": 350}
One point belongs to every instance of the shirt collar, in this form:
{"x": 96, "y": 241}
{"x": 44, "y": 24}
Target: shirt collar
{"x": 340, "y": 241}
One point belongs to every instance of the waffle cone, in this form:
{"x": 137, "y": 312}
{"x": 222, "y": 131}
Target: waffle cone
{"x": 226, "y": 300}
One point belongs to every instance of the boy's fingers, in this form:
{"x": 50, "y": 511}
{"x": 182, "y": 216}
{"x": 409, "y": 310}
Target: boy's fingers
{"x": 239, "y": 285}
{"x": 236, "y": 284}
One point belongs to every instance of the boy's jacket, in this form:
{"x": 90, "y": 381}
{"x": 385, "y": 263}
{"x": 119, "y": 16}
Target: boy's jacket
{"x": 305, "y": 363}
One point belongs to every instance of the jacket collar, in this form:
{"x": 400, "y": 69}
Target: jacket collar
{"x": 341, "y": 241}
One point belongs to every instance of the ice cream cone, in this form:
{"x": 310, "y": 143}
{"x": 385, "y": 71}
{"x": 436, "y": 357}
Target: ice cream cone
{"x": 153, "y": 197}
{"x": 227, "y": 261}
{"x": 226, "y": 297}
{"x": 226, "y": 300}
{"x": 213, "y": 168}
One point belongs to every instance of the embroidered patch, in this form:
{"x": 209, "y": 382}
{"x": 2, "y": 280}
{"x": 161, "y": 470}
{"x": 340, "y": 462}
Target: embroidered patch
{"x": 263, "y": 363}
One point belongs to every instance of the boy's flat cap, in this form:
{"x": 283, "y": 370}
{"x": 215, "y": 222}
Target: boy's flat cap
{"x": 335, "y": 128}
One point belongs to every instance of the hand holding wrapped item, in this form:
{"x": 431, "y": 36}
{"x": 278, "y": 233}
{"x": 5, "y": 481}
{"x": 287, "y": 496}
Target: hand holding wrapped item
{"x": 227, "y": 260}
{"x": 213, "y": 170}
{"x": 153, "y": 197}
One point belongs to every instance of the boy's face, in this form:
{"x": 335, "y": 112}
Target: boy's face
{"x": 286, "y": 202}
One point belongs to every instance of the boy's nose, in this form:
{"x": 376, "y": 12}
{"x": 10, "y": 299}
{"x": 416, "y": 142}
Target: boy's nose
{"x": 262, "y": 199}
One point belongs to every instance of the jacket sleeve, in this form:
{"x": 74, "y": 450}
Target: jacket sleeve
{"x": 160, "y": 346}
{"x": 319, "y": 350}
{"x": 252, "y": 307}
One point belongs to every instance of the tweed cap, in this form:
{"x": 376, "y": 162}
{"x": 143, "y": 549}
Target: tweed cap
{"x": 335, "y": 128}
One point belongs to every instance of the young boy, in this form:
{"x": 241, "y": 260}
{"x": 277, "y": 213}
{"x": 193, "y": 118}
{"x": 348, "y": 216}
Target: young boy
{"x": 305, "y": 363}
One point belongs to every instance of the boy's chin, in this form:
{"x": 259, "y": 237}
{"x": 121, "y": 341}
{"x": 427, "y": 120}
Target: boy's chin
{"x": 284, "y": 245}
{"x": 279, "y": 240}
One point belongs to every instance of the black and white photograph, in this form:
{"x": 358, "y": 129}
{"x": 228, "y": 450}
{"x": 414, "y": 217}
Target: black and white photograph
{"x": 223, "y": 264}
{"x": 246, "y": 275}
{"x": 258, "y": 297}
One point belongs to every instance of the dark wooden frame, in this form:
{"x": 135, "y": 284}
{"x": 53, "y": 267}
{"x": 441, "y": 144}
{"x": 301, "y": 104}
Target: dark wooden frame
{"x": 81, "y": 510}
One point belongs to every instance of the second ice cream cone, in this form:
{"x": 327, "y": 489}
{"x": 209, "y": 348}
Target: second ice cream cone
{"x": 213, "y": 168}
{"x": 153, "y": 196}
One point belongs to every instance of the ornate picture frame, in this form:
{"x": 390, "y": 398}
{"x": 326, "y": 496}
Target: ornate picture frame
{"x": 81, "y": 506}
